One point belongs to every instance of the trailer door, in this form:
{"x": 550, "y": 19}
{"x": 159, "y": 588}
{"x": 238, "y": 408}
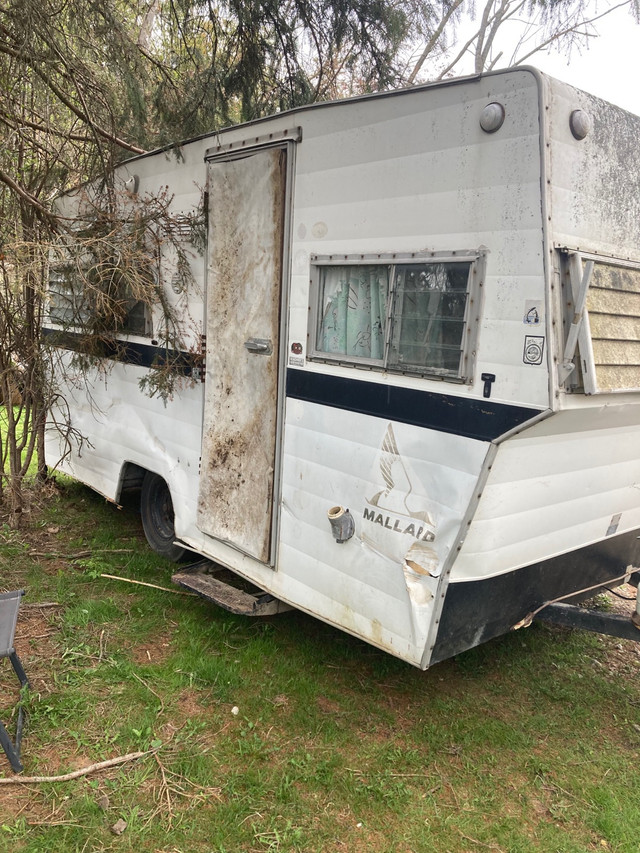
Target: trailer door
{"x": 244, "y": 285}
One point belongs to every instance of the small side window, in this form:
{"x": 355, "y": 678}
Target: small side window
{"x": 66, "y": 304}
{"x": 412, "y": 316}
{"x": 73, "y": 306}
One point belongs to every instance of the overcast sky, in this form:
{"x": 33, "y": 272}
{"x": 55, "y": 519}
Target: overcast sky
{"x": 610, "y": 68}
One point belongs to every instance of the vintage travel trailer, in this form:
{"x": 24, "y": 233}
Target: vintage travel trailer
{"x": 418, "y": 411}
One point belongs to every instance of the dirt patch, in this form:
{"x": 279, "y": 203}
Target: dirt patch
{"x": 154, "y": 649}
{"x": 20, "y": 802}
{"x": 621, "y": 601}
{"x": 189, "y": 707}
{"x": 328, "y": 706}
{"x": 36, "y": 643}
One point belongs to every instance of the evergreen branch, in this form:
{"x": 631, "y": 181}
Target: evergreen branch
{"x": 55, "y": 89}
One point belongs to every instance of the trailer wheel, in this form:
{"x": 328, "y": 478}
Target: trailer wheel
{"x": 156, "y": 509}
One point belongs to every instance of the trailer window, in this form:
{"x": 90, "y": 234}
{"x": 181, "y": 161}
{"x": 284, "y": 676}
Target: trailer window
{"x": 613, "y": 303}
{"x": 602, "y": 317}
{"x": 66, "y": 303}
{"x": 354, "y": 311}
{"x": 73, "y": 306}
{"x": 428, "y": 320}
{"x": 411, "y": 317}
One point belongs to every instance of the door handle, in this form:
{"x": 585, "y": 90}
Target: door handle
{"x": 259, "y": 346}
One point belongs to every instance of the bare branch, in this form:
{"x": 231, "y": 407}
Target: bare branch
{"x": 76, "y": 774}
{"x": 55, "y": 89}
{"x": 556, "y": 36}
{"x": 433, "y": 39}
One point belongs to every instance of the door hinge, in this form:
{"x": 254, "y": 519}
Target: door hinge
{"x": 200, "y": 370}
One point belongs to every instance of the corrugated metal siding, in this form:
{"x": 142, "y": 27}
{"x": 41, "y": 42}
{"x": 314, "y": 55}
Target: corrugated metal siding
{"x": 555, "y": 488}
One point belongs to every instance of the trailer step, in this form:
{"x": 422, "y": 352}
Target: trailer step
{"x": 201, "y": 580}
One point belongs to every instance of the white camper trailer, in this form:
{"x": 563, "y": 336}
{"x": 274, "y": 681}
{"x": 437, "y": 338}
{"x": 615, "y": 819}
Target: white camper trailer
{"x": 419, "y": 418}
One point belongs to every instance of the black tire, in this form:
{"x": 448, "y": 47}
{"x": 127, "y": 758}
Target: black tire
{"x": 156, "y": 509}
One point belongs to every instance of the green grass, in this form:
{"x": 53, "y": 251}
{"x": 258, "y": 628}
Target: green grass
{"x": 528, "y": 743}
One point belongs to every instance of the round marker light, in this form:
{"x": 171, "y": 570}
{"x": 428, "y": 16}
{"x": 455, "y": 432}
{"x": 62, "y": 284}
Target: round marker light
{"x": 492, "y": 117}
{"x": 580, "y": 123}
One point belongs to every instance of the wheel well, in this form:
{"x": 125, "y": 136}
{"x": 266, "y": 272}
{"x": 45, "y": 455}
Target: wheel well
{"x": 158, "y": 517}
{"x": 131, "y": 477}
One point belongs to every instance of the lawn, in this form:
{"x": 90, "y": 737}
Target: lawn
{"x": 283, "y": 734}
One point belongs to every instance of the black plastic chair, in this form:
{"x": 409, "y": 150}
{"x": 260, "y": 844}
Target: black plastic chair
{"x": 9, "y": 606}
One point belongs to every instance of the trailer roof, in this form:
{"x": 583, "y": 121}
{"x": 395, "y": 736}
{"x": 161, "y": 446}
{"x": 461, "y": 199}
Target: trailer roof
{"x": 392, "y": 93}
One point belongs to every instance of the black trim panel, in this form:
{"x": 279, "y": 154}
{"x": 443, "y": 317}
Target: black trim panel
{"x": 476, "y": 611}
{"x": 480, "y": 419}
{"x": 127, "y": 352}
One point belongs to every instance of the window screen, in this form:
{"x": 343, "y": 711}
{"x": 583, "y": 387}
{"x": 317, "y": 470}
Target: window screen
{"x": 407, "y": 317}
{"x": 430, "y": 303}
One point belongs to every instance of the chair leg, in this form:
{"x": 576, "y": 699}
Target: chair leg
{"x": 18, "y": 669}
{"x": 19, "y": 727}
{"x": 10, "y": 750}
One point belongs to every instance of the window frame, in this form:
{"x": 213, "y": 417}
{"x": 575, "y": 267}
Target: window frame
{"x": 476, "y": 258}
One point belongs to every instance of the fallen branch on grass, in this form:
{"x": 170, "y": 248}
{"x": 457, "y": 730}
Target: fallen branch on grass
{"x": 152, "y": 585}
{"x": 80, "y": 555}
{"x": 75, "y": 774}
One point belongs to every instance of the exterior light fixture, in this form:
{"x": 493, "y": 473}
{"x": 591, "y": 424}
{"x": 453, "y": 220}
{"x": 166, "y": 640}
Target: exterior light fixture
{"x": 580, "y": 123}
{"x": 492, "y": 117}
{"x": 131, "y": 184}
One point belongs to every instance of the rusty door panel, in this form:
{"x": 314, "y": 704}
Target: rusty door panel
{"x": 246, "y": 215}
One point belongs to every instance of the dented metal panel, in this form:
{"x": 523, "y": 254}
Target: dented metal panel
{"x": 407, "y": 489}
{"x": 242, "y": 327}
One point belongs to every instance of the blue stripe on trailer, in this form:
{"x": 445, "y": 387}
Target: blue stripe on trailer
{"x": 125, "y": 352}
{"x": 483, "y": 420}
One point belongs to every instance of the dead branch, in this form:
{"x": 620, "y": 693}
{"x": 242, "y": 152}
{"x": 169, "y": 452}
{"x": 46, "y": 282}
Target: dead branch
{"x": 152, "y": 585}
{"x": 479, "y": 843}
{"x": 41, "y": 211}
{"x": 75, "y": 774}
{"x": 165, "y": 791}
{"x": 81, "y": 555}
{"x": 431, "y": 43}
{"x": 586, "y": 22}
